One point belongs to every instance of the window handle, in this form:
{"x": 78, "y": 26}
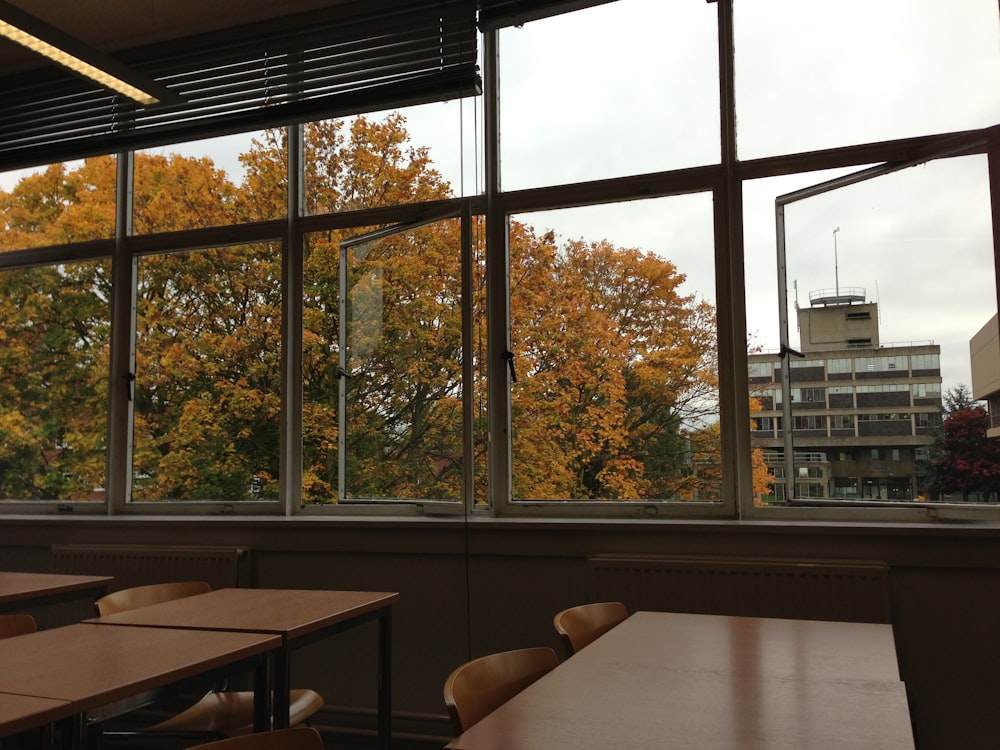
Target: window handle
{"x": 508, "y": 355}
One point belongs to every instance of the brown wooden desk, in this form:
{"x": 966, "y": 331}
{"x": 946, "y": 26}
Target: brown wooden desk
{"x": 29, "y": 589}
{"x": 19, "y": 713}
{"x": 297, "y": 615}
{"x": 88, "y": 666}
{"x": 799, "y": 649}
{"x": 701, "y": 681}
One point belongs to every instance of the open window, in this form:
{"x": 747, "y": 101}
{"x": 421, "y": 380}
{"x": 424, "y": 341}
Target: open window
{"x": 883, "y": 280}
{"x": 383, "y": 412}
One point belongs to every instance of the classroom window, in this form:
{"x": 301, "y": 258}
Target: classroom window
{"x": 54, "y": 348}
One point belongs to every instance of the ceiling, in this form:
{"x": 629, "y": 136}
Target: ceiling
{"x": 113, "y": 25}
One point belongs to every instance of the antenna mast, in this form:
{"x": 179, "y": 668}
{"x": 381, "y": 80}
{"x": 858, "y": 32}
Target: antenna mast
{"x": 836, "y": 271}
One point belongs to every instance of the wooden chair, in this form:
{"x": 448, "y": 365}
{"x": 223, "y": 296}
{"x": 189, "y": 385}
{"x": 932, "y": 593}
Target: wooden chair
{"x": 479, "y": 686}
{"x": 11, "y": 625}
{"x": 296, "y": 738}
{"x": 222, "y": 713}
{"x": 581, "y": 625}
{"x": 144, "y": 596}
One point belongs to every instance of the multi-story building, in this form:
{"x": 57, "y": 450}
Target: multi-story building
{"x": 863, "y": 413}
{"x": 984, "y": 351}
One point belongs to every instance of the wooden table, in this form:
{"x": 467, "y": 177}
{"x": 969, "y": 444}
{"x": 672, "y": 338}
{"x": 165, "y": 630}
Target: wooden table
{"x": 702, "y": 681}
{"x": 798, "y": 649}
{"x": 19, "y": 713}
{"x": 297, "y": 615}
{"x": 86, "y": 666}
{"x": 18, "y": 590}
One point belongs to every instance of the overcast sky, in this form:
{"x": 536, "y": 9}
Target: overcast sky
{"x": 631, "y": 87}
{"x": 809, "y": 76}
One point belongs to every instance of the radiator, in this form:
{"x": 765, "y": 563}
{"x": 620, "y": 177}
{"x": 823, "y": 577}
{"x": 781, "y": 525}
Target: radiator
{"x": 221, "y": 567}
{"x": 842, "y": 590}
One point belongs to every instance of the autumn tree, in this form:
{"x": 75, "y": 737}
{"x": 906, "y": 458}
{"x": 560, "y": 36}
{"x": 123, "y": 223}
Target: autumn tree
{"x": 616, "y": 396}
{"x": 54, "y": 336}
{"x": 969, "y": 462}
{"x": 763, "y": 480}
{"x": 957, "y": 398}
{"x": 616, "y": 375}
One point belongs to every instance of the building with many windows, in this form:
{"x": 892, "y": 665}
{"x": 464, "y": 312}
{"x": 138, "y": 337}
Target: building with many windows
{"x": 863, "y": 413}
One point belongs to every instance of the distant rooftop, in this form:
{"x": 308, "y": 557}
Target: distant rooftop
{"x": 845, "y": 295}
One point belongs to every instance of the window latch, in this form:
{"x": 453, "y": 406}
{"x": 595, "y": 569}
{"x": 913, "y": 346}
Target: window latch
{"x": 508, "y": 355}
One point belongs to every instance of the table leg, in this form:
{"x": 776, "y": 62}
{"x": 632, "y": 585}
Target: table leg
{"x": 385, "y": 680}
{"x": 282, "y": 687}
{"x": 262, "y": 694}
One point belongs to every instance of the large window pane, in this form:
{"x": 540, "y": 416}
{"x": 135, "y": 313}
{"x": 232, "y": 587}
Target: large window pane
{"x": 389, "y": 158}
{"x": 812, "y": 76}
{"x": 408, "y": 155}
{"x": 211, "y": 183}
{"x": 207, "y": 380}
{"x": 58, "y": 204}
{"x": 382, "y": 417}
{"x": 54, "y": 338}
{"x": 888, "y": 280}
{"x": 614, "y": 344}
{"x": 624, "y": 88}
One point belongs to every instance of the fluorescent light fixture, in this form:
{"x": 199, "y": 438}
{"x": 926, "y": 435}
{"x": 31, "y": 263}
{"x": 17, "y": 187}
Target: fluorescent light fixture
{"x": 39, "y": 37}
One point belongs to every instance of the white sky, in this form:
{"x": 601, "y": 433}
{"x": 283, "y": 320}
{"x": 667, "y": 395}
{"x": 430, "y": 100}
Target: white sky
{"x": 809, "y": 76}
{"x": 631, "y": 87}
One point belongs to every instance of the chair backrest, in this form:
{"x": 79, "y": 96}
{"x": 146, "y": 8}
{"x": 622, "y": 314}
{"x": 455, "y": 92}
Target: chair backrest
{"x": 296, "y": 738}
{"x": 11, "y": 625}
{"x": 143, "y": 596}
{"x": 479, "y": 686}
{"x": 585, "y": 623}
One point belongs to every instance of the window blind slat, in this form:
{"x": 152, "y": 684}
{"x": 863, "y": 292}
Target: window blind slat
{"x": 300, "y": 68}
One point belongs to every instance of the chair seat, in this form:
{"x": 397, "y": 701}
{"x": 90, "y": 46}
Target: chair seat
{"x": 230, "y": 713}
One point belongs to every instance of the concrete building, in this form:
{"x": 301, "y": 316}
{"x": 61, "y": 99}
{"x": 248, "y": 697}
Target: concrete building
{"x": 863, "y": 413}
{"x": 984, "y": 350}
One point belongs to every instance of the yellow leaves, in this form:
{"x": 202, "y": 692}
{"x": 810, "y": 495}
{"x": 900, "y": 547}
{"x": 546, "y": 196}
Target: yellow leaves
{"x": 615, "y": 361}
{"x": 763, "y": 481}
{"x": 16, "y": 433}
{"x": 176, "y": 192}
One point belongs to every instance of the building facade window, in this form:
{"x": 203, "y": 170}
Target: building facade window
{"x": 839, "y": 366}
{"x": 926, "y": 390}
{"x": 810, "y": 422}
{"x": 925, "y": 362}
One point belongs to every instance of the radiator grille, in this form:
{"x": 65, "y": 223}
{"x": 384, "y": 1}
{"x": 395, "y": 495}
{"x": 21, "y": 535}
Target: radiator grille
{"x": 221, "y": 567}
{"x": 847, "y": 591}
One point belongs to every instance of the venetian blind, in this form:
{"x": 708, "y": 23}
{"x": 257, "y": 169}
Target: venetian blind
{"x": 293, "y": 69}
